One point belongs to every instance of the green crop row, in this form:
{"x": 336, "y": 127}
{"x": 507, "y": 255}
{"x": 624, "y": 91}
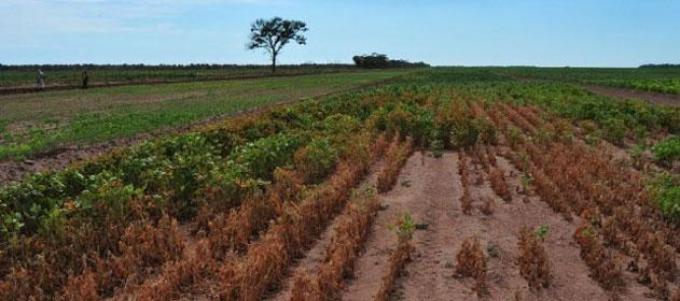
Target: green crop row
{"x": 663, "y": 80}
{"x": 667, "y": 151}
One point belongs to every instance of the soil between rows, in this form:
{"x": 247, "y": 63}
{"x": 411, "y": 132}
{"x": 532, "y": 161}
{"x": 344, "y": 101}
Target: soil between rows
{"x": 429, "y": 189}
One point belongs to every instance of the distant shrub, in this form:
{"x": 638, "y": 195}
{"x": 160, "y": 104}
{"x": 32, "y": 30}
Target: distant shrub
{"x": 377, "y": 60}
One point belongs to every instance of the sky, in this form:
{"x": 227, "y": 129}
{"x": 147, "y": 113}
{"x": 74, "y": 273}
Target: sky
{"x": 615, "y": 33}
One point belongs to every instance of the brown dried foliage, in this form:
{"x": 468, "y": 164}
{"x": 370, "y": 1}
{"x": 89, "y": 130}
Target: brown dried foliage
{"x": 471, "y": 262}
{"x": 603, "y": 268}
{"x": 38, "y": 267}
{"x": 488, "y": 206}
{"x": 498, "y": 184}
{"x": 177, "y": 274}
{"x": 676, "y": 295}
{"x": 573, "y": 177}
{"x": 533, "y": 260}
{"x": 350, "y": 234}
{"x": 143, "y": 246}
{"x": 266, "y": 260}
{"x": 235, "y": 230}
{"x": 465, "y": 201}
{"x": 395, "y": 158}
{"x": 397, "y": 261}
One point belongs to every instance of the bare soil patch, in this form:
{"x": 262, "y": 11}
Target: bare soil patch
{"x": 430, "y": 190}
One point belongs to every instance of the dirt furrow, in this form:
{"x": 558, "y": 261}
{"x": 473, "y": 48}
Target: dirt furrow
{"x": 373, "y": 263}
{"x": 429, "y": 276}
{"x": 570, "y": 275}
{"x": 430, "y": 189}
{"x": 315, "y": 255}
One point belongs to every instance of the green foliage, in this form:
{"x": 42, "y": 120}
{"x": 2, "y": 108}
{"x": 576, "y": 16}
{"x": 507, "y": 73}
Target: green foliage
{"x": 542, "y": 232}
{"x": 316, "y": 160}
{"x": 614, "y": 130}
{"x": 261, "y": 157}
{"x": 667, "y": 151}
{"x": 120, "y": 112}
{"x": 487, "y": 131}
{"x": 407, "y": 119}
{"x": 464, "y": 134}
{"x": 665, "y": 189}
{"x": 405, "y": 227}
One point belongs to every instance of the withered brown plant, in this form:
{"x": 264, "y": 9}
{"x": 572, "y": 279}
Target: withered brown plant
{"x": 533, "y": 260}
{"x": 471, "y": 262}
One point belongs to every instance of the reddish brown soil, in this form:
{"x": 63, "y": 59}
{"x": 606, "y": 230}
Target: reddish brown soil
{"x": 430, "y": 192}
{"x": 652, "y": 97}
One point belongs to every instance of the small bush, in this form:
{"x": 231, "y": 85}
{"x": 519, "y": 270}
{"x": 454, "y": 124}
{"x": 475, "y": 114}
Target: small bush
{"x": 498, "y": 184}
{"x": 602, "y": 265}
{"x": 533, "y": 259}
{"x": 472, "y": 263}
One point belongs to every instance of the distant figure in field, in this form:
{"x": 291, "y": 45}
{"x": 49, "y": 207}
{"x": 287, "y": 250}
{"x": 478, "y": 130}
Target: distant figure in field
{"x": 86, "y": 79}
{"x": 41, "y": 79}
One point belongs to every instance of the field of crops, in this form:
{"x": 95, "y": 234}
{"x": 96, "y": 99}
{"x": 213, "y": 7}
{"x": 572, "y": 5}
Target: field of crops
{"x": 42, "y": 122}
{"x": 662, "y": 80}
{"x": 12, "y": 77}
{"x": 444, "y": 184}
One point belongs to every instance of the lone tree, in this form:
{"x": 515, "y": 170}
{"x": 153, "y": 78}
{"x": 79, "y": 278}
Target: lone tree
{"x": 275, "y": 33}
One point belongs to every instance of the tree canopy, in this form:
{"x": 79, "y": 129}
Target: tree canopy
{"x": 273, "y": 34}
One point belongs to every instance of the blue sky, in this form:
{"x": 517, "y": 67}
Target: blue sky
{"x": 454, "y": 32}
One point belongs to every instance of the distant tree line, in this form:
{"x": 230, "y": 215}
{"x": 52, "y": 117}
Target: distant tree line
{"x": 659, "y": 66}
{"x": 377, "y": 60}
{"x": 60, "y": 67}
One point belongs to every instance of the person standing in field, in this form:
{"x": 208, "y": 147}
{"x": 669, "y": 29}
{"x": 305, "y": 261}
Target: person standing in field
{"x": 41, "y": 79}
{"x": 86, "y": 79}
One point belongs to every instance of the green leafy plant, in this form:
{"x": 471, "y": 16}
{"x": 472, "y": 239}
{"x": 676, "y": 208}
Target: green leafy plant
{"x": 665, "y": 190}
{"x": 316, "y": 160}
{"x": 405, "y": 226}
{"x": 667, "y": 151}
{"x": 542, "y": 232}
{"x": 614, "y": 130}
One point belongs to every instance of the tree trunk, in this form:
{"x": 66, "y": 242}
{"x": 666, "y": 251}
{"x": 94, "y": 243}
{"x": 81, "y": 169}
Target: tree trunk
{"x": 274, "y": 63}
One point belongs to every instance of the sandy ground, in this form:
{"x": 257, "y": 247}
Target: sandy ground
{"x": 429, "y": 189}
